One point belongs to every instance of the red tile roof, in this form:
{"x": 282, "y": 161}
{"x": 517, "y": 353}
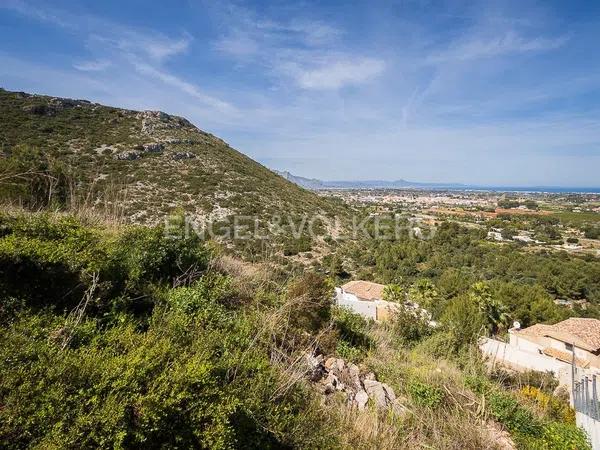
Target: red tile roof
{"x": 365, "y": 290}
{"x": 581, "y": 332}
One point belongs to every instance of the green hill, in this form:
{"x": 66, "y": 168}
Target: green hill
{"x": 148, "y": 163}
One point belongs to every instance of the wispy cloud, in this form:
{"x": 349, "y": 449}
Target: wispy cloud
{"x": 304, "y": 52}
{"x": 189, "y": 88}
{"x": 335, "y": 73}
{"x": 93, "y": 66}
{"x": 112, "y": 44}
{"x": 509, "y": 42}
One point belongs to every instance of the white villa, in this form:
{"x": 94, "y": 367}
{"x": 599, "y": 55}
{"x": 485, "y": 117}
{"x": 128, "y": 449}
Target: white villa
{"x": 365, "y": 298}
{"x": 550, "y": 348}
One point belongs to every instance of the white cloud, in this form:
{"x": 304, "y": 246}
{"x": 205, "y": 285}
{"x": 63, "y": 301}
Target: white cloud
{"x": 97, "y": 65}
{"x": 157, "y": 47}
{"x": 184, "y": 86}
{"x": 305, "y": 52}
{"x": 509, "y": 42}
{"x": 336, "y": 74}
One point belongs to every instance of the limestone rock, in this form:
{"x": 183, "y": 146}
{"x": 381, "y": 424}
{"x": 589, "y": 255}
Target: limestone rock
{"x": 360, "y": 399}
{"x": 370, "y": 376}
{"x": 329, "y": 363}
{"x": 376, "y": 393}
{"x": 130, "y": 155}
{"x": 389, "y": 393}
{"x": 182, "y": 155}
{"x": 153, "y": 147}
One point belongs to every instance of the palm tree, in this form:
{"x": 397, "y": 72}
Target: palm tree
{"x": 495, "y": 313}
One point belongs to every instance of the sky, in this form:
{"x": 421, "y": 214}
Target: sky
{"x": 503, "y": 93}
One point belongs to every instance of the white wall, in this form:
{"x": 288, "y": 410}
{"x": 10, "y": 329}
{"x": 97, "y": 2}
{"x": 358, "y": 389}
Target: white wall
{"x": 364, "y": 308}
{"x": 519, "y": 359}
{"x": 523, "y": 344}
{"x": 591, "y": 427}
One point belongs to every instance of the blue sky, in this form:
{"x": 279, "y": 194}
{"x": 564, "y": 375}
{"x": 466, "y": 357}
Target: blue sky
{"x": 493, "y": 92}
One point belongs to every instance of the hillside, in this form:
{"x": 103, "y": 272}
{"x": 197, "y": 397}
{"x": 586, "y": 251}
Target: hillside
{"x": 148, "y": 162}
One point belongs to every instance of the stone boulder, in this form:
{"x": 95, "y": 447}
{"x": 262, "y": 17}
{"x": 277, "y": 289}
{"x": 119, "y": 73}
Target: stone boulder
{"x": 360, "y": 399}
{"x": 334, "y": 375}
{"x": 376, "y": 393}
{"x": 153, "y": 147}
{"x": 182, "y": 155}
{"x": 129, "y": 155}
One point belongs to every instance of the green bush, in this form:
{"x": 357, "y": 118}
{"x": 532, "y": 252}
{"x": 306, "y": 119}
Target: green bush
{"x": 195, "y": 378}
{"x": 559, "y": 436}
{"x": 353, "y": 328}
{"x": 425, "y": 394}
{"x": 51, "y": 262}
{"x": 507, "y": 410}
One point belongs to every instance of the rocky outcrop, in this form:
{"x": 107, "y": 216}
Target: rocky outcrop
{"x": 53, "y": 106}
{"x": 153, "y": 147}
{"x": 153, "y": 121}
{"x": 182, "y": 155}
{"x": 335, "y": 375}
{"x": 129, "y": 155}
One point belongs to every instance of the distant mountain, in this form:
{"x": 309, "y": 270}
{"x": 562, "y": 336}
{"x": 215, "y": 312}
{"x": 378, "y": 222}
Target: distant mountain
{"x": 315, "y": 184}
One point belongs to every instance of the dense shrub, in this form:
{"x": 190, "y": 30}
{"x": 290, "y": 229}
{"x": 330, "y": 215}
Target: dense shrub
{"x": 353, "y": 330}
{"x": 50, "y": 262}
{"x": 425, "y": 394}
{"x": 554, "y": 408}
{"x": 507, "y": 410}
{"x": 313, "y": 296}
{"x": 194, "y": 379}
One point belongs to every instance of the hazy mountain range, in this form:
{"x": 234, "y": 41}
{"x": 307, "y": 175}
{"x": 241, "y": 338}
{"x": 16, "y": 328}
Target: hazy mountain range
{"x": 316, "y": 184}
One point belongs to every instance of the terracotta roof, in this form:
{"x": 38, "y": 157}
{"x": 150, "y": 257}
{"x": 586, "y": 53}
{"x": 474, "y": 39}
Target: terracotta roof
{"x": 585, "y": 331}
{"x": 539, "y": 329}
{"x": 565, "y": 357}
{"x": 581, "y": 332}
{"x": 365, "y": 290}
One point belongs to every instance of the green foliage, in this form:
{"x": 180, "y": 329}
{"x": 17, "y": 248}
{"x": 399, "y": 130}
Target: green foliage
{"x": 495, "y": 314}
{"x": 464, "y": 321}
{"x": 313, "y": 294}
{"x": 410, "y": 326}
{"x": 354, "y": 339}
{"x": 560, "y": 436}
{"x": 424, "y": 292}
{"x": 50, "y": 262}
{"x": 592, "y": 232}
{"x": 507, "y": 410}
{"x": 545, "y": 381}
{"x": 193, "y": 378}
{"x": 394, "y": 293}
{"x": 425, "y": 394}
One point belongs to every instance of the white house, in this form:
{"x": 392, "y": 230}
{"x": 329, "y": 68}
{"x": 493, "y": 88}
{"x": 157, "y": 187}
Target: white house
{"x": 550, "y": 348}
{"x": 365, "y": 298}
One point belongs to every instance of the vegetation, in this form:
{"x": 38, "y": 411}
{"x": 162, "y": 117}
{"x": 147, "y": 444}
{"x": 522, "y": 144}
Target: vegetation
{"x": 145, "y": 340}
{"x": 120, "y": 335}
{"x": 457, "y": 260}
{"x": 65, "y": 154}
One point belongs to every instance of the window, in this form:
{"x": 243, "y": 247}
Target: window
{"x": 568, "y": 346}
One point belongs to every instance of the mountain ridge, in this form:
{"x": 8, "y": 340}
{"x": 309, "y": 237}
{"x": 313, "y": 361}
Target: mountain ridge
{"x": 156, "y": 163}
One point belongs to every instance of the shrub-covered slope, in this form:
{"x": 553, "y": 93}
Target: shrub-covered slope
{"x": 119, "y": 337}
{"x": 149, "y": 162}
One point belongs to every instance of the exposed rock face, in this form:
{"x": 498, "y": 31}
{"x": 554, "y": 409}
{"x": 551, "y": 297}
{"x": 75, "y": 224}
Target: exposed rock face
{"x": 334, "y": 375}
{"x": 54, "y": 106}
{"x": 153, "y": 147}
{"x": 130, "y": 155}
{"x": 153, "y": 121}
{"x": 182, "y": 155}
